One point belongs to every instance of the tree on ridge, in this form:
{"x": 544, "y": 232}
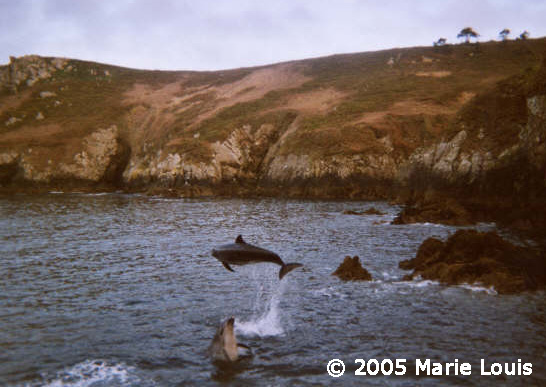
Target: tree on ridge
{"x": 524, "y": 35}
{"x": 504, "y": 34}
{"x": 440, "y": 42}
{"x": 468, "y": 33}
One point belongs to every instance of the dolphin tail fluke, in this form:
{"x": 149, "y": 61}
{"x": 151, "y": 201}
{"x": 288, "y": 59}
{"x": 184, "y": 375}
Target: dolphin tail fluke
{"x": 287, "y": 268}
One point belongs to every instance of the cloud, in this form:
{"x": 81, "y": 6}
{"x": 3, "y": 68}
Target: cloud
{"x": 215, "y": 34}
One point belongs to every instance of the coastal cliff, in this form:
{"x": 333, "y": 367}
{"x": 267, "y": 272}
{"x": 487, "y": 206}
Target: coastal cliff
{"x": 466, "y": 120}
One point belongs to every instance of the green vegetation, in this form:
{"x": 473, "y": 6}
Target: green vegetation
{"x": 86, "y": 97}
{"x": 501, "y": 112}
{"x": 411, "y": 95}
{"x": 374, "y": 86}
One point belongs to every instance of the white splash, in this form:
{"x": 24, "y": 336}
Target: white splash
{"x": 329, "y": 292}
{"x": 267, "y": 319}
{"x": 91, "y": 372}
{"x": 389, "y": 276}
{"x": 95, "y": 193}
{"x": 419, "y": 282}
{"x": 477, "y": 288}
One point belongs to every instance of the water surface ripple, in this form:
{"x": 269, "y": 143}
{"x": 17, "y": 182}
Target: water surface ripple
{"x": 121, "y": 290}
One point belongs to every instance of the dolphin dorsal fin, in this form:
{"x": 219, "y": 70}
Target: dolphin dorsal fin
{"x": 239, "y": 239}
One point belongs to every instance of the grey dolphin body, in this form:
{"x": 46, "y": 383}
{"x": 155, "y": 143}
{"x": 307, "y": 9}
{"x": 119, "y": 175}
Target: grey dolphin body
{"x": 224, "y": 346}
{"x": 242, "y": 253}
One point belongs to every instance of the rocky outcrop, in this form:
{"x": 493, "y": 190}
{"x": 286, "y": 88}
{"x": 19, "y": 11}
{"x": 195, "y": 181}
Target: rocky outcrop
{"x": 102, "y": 158}
{"x": 352, "y": 270}
{"x": 449, "y": 161}
{"x": 495, "y": 165}
{"x": 9, "y": 166}
{"x": 242, "y": 153}
{"x": 239, "y": 157}
{"x": 167, "y": 169}
{"x": 291, "y": 167}
{"x": 475, "y": 154}
{"x": 533, "y": 135}
{"x": 29, "y": 69}
{"x": 99, "y": 158}
{"x": 472, "y": 257}
{"x": 435, "y": 210}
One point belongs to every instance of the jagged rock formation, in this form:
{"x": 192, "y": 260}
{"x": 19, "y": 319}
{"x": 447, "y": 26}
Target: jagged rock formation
{"x": 452, "y": 161}
{"x": 351, "y": 270}
{"x": 471, "y": 257}
{"x": 238, "y": 157}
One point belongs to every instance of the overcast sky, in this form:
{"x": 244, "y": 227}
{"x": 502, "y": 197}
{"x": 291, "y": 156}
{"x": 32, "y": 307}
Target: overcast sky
{"x": 221, "y": 34}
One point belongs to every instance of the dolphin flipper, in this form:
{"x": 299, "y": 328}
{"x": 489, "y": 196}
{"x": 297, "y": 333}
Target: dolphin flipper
{"x": 244, "y": 350}
{"x": 227, "y": 266}
{"x": 287, "y": 268}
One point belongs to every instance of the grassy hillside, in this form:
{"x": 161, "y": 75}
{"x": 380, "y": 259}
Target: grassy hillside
{"x": 376, "y": 102}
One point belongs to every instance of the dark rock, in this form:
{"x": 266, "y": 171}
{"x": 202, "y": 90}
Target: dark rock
{"x": 351, "y": 270}
{"x": 369, "y": 211}
{"x": 118, "y": 163}
{"x": 469, "y": 256}
{"x": 351, "y": 212}
{"x": 445, "y": 211}
{"x": 8, "y": 171}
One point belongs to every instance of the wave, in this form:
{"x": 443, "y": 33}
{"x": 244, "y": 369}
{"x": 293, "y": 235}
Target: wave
{"x": 94, "y": 193}
{"x": 95, "y": 372}
{"x": 420, "y": 283}
{"x": 479, "y": 288}
{"x": 81, "y": 193}
{"x": 329, "y": 292}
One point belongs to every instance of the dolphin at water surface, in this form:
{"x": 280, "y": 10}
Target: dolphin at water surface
{"x": 224, "y": 346}
{"x": 242, "y": 253}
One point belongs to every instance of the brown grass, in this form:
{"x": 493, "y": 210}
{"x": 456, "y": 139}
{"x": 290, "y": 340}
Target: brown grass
{"x": 343, "y": 104}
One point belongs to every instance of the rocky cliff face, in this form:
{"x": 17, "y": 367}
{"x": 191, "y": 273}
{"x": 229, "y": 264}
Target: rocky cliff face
{"x": 240, "y": 156}
{"x": 533, "y": 136}
{"x": 349, "y": 126}
{"x": 101, "y": 158}
{"x": 470, "y": 160}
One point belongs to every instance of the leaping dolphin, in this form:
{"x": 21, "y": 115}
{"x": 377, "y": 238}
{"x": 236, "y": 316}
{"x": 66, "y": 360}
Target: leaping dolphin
{"x": 241, "y": 253}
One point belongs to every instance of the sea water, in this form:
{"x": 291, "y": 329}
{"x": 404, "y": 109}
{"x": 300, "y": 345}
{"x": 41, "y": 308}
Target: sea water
{"x": 121, "y": 290}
